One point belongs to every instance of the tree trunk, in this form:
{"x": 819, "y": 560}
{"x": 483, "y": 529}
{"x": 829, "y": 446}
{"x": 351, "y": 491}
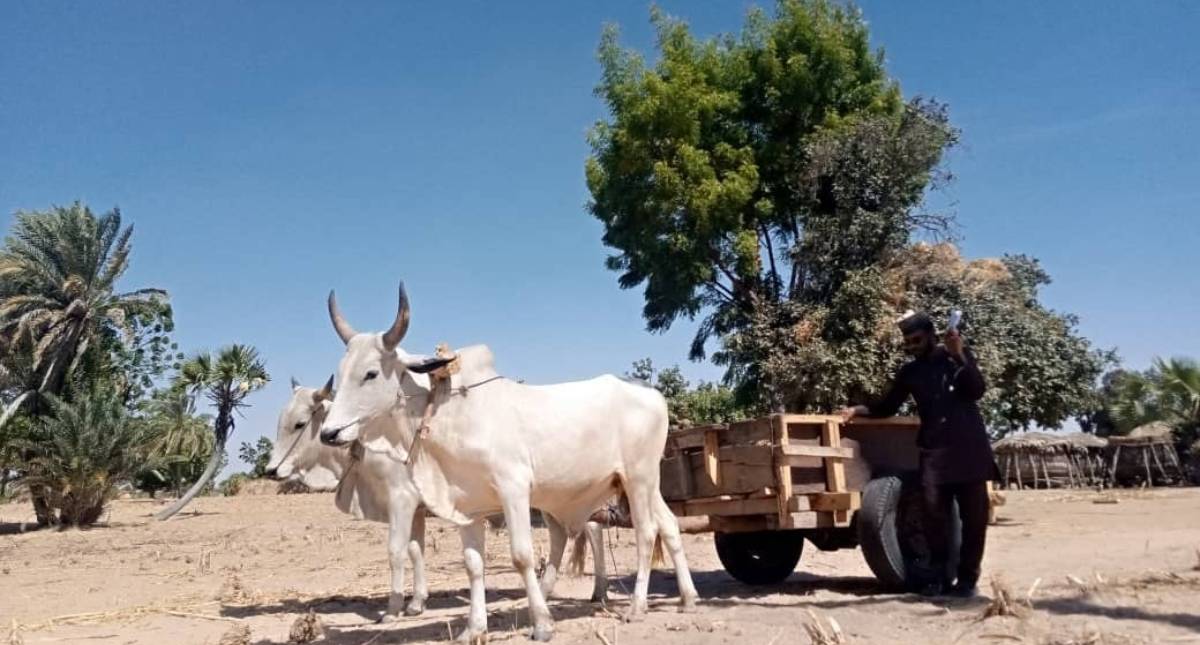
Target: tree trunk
{"x": 209, "y": 472}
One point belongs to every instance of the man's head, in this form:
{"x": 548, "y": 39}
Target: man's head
{"x": 919, "y": 335}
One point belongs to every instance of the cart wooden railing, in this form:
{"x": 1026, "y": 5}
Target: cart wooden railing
{"x": 785, "y": 471}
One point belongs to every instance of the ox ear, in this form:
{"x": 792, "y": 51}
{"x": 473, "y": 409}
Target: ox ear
{"x": 295, "y": 384}
{"x": 425, "y": 364}
{"x": 325, "y": 393}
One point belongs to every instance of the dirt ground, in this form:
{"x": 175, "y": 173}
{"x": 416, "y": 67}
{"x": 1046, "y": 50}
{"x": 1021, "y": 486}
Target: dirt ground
{"x": 1100, "y": 573}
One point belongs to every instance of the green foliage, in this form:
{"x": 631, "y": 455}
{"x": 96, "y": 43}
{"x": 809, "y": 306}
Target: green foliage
{"x": 60, "y": 306}
{"x": 258, "y": 455}
{"x": 183, "y": 442}
{"x": 81, "y": 452}
{"x": 1169, "y": 391}
{"x": 233, "y": 484}
{"x": 1039, "y": 369}
{"x": 753, "y": 178}
{"x": 225, "y": 379}
{"x": 706, "y": 403}
{"x": 771, "y": 184}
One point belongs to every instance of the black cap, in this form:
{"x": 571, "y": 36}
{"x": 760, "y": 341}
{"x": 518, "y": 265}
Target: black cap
{"x": 913, "y": 322}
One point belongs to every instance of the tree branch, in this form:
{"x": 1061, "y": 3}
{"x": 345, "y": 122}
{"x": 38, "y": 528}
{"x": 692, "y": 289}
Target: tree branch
{"x": 770, "y": 253}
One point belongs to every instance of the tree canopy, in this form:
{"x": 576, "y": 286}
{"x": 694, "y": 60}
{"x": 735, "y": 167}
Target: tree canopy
{"x": 772, "y": 184}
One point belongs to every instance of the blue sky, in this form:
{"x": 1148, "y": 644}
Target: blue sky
{"x": 269, "y": 151}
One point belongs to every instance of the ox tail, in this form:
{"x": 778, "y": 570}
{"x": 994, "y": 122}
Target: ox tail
{"x": 578, "y": 555}
{"x": 658, "y": 556}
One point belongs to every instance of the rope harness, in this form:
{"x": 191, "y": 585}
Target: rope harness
{"x": 439, "y": 383}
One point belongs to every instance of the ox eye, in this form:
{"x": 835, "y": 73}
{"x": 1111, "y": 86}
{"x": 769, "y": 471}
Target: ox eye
{"x": 300, "y": 425}
{"x": 371, "y": 375}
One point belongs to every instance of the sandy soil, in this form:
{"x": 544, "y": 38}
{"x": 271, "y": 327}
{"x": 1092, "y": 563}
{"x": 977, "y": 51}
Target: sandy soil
{"x": 264, "y": 561}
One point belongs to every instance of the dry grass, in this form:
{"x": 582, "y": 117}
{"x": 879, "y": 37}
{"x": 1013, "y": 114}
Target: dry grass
{"x": 819, "y": 634}
{"x": 1004, "y": 601}
{"x": 306, "y": 629}
{"x": 237, "y": 635}
{"x": 14, "y": 634}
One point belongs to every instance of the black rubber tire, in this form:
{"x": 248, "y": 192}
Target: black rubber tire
{"x": 891, "y": 531}
{"x": 760, "y": 557}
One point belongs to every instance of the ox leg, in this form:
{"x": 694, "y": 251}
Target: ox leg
{"x": 400, "y": 526}
{"x": 558, "y": 544}
{"x": 416, "y": 555}
{"x": 595, "y": 536}
{"x": 645, "y": 530}
{"x": 520, "y": 533}
{"x": 473, "y": 536}
{"x": 668, "y": 528}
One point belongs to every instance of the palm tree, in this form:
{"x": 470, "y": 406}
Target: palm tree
{"x": 226, "y": 379}
{"x": 58, "y": 275}
{"x": 181, "y": 438}
{"x": 1179, "y": 382}
{"x": 82, "y": 451}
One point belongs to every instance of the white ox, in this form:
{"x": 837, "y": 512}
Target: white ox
{"x": 298, "y": 454}
{"x": 494, "y": 444}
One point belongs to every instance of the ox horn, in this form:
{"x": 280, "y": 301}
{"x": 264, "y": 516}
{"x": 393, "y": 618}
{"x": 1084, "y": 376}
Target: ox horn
{"x": 325, "y": 393}
{"x": 295, "y": 384}
{"x": 343, "y": 328}
{"x": 393, "y": 336}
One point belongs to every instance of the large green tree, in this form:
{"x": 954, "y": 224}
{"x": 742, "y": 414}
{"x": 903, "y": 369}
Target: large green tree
{"x": 750, "y": 179}
{"x": 771, "y": 185}
{"x": 59, "y": 271}
{"x": 64, "y": 323}
{"x": 225, "y": 379}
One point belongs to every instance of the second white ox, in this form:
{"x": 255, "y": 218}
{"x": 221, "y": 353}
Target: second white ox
{"x": 494, "y": 444}
{"x": 298, "y": 454}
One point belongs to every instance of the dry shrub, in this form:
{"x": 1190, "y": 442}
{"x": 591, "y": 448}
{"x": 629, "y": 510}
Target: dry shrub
{"x": 239, "y": 634}
{"x": 234, "y": 591}
{"x": 818, "y": 634}
{"x": 306, "y": 629}
{"x": 1004, "y": 601}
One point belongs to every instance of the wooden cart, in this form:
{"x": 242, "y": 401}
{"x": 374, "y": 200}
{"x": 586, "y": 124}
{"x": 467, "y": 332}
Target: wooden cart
{"x": 766, "y": 485}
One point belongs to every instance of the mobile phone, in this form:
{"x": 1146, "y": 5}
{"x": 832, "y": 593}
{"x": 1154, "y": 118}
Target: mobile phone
{"x": 955, "y": 318}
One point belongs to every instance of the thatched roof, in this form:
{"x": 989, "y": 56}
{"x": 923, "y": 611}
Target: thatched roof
{"x": 1045, "y": 442}
{"x": 1086, "y": 440}
{"x": 1151, "y": 433}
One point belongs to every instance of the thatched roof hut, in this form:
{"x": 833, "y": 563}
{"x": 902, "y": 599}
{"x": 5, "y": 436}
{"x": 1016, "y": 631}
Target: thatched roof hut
{"x": 1133, "y": 453}
{"x": 1050, "y": 459}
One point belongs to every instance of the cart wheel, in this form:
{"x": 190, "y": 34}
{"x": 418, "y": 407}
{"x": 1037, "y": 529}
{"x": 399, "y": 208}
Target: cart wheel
{"x": 891, "y": 531}
{"x": 760, "y": 557}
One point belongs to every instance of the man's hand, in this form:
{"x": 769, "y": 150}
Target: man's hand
{"x": 954, "y": 344}
{"x": 852, "y": 411}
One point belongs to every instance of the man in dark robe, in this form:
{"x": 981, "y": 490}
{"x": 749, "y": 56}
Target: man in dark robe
{"x": 956, "y": 460}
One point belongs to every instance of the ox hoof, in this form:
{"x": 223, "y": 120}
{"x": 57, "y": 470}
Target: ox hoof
{"x": 414, "y": 609}
{"x": 387, "y": 619}
{"x": 542, "y": 633}
{"x": 634, "y": 616}
{"x": 687, "y": 606}
{"x": 600, "y": 598}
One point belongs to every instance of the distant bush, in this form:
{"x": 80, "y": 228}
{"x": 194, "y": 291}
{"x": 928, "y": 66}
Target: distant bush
{"x": 233, "y": 486}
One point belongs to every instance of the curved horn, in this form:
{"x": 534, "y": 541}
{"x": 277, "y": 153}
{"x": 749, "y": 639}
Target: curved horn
{"x": 325, "y": 393}
{"x": 393, "y": 336}
{"x": 343, "y": 328}
{"x": 295, "y": 384}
